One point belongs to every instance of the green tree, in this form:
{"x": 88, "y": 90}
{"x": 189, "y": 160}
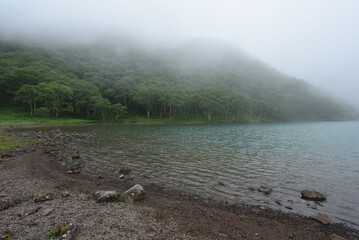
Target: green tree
{"x": 118, "y": 110}
{"x": 55, "y": 96}
{"x": 102, "y": 105}
{"x": 146, "y": 96}
{"x": 28, "y": 94}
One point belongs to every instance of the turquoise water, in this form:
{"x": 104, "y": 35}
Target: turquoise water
{"x": 285, "y": 157}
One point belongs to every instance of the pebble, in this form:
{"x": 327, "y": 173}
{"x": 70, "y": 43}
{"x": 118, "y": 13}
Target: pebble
{"x": 47, "y": 211}
{"x": 65, "y": 194}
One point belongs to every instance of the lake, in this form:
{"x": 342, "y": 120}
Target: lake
{"x": 225, "y": 161}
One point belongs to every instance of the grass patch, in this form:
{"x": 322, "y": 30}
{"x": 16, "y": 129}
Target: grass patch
{"x": 7, "y": 236}
{"x": 59, "y": 231}
{"x": 43, "y": 193}
{"x": 7, "y": 142}
{"x": 120, "y": 198}
{"x": 16, "y": 116}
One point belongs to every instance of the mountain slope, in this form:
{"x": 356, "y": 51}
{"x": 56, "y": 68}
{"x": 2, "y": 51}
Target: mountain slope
{"x": 199, "y": 79}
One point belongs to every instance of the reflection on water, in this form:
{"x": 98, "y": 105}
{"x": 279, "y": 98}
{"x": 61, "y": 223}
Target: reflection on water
{"x": 285, "y": 157}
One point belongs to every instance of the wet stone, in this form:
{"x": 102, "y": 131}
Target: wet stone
{"x": 312, "y": 195}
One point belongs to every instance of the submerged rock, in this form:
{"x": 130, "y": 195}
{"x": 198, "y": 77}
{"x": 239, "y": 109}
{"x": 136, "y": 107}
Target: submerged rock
{"x": 312, "y": 195}
{"x": 321, "y": 217}
{"x": 311, "y": 205}
{"x": 265, "y": 190}
{"x": 125, "y": 171}
{"x": 136, "y": 193}
{"x": 105, "y": 196}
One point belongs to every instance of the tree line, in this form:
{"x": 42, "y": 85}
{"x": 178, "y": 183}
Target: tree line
{"x": 96, "y": 83}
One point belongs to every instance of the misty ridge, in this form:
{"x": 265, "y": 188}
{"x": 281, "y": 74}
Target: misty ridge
{"x": 122, "y": 76}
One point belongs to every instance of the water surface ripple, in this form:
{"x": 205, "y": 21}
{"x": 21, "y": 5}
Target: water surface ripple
{"x": 223, "y": 161}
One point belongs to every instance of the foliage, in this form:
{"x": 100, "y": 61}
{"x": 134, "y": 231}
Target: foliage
{"x": 119, "y": 109}
{"x": 98, "y": 83}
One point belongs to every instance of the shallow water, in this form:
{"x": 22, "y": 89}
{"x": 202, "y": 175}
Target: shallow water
{"x": 285, "y": 157}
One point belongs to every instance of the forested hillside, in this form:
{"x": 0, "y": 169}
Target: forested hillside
{"x": 197, "y": 80}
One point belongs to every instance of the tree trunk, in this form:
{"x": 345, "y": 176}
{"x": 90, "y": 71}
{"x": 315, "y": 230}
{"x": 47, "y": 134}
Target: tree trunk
{"x": 209, "y": 115}
{"x": 88, "y": 112}
{"x": 103, "y": 115}
{"x": 31, "y": 110}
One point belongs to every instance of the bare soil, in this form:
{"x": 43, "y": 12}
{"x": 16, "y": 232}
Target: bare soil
{"x": 164, "y": 214}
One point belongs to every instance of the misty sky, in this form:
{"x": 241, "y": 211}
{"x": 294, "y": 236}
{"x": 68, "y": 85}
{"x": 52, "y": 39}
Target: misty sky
{"x": 314, "y": 40}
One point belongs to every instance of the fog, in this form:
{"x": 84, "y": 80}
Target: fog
{"x": 316, "y": 40}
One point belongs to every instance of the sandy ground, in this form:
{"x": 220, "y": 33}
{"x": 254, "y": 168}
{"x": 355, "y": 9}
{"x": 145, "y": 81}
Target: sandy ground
{"x": 163, "y": 214}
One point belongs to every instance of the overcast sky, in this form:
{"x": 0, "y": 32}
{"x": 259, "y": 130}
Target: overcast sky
{"x": 314, "y": 40}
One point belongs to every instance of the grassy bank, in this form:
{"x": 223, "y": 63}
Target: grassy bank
{"x": 14, "y": 116}
{"x": 17, "y": 116}
{"x": 8, "y": 142}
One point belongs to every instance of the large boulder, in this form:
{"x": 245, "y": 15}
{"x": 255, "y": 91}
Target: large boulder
{"x": 312, "y": 195}
{"x": 321, "y": 217}
{"x": 105, "y": 196}
{"x": 136, "y": 193}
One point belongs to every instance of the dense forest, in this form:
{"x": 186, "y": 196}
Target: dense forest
{"x": 199, "y": 79}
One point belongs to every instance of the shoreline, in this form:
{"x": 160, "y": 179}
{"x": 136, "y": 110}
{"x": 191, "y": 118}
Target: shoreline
{"x": 164, "y": 214}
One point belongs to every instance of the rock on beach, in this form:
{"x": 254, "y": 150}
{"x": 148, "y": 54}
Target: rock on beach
{"x": 105, "y": 196}
{"x": 321, "y": 217}
{"x": 136, "y": 193}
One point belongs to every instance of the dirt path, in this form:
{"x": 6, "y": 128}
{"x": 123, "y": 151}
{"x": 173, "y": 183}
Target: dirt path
{"x": 164, "y": 214}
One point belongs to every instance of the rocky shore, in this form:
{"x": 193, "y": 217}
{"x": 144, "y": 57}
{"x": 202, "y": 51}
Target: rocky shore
{"x": 41, "y": 198}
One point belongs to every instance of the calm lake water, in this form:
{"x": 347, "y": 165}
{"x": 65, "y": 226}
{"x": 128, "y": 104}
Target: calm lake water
{"x": 285, "y": 157}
